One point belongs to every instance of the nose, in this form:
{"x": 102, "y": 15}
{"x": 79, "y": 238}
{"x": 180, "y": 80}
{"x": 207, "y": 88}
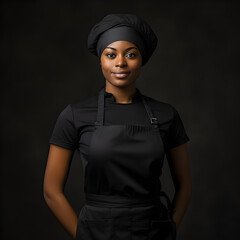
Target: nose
{"x": 120, "y": 61}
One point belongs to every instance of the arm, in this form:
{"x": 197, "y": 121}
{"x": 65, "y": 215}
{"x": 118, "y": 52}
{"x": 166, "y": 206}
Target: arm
{"x": 56, "y": 173}
{"x": 180, "y": 171}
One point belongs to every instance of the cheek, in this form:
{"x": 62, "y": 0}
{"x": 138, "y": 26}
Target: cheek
{"x": 106, "y": 66}
{"x": 136, "y": 69}
{"x": 106, "y": 69}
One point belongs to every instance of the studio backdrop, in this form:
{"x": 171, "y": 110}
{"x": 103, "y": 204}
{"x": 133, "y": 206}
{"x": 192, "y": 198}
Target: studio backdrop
{"x": 46, "y": 66}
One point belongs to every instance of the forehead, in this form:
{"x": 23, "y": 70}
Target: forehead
{"x": 121, "y": 44}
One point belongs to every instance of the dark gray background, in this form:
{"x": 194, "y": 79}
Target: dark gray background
{"x": 46, "y": 66}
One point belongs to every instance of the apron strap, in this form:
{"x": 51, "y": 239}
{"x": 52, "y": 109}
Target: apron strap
{"x": 153, "y": 119}
{"x": 101, "y": 103}
{"x": 100, "y": 200}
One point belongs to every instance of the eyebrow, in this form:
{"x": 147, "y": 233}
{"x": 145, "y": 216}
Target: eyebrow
{"x": 125, "y": 49}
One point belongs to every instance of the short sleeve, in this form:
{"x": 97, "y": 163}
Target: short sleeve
{"x": 176, "y": 133}
{"x": 64, "y": 132}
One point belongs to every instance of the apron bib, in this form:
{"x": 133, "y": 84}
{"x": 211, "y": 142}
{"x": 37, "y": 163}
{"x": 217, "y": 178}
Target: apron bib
{"x": 122, "y": 183}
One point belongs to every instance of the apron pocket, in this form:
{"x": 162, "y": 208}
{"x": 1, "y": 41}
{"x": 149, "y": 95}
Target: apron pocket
{"x": 139, "y": 229}
{"x": 122, "y": 229}
{"x": 162, "y": 229}
{"x": 96, "y": 229}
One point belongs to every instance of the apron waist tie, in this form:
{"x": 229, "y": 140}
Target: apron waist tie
{"x": 100, "y": 200}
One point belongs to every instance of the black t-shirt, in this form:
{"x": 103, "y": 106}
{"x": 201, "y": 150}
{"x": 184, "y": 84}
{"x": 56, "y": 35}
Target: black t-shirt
{"x": 75, "y": 124}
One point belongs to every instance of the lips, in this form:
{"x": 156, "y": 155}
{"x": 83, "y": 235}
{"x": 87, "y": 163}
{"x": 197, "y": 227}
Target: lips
{"x": 120, "y": 74}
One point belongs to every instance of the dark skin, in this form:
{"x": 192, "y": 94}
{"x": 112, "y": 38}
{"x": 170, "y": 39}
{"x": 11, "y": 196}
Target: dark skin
{"x": 120, "y": 56}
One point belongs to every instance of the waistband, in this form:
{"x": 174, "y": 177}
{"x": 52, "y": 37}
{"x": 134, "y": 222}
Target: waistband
{"x": 99, "y": 200}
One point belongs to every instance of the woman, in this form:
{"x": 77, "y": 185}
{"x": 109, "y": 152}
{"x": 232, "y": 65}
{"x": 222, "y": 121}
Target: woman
{"x": 122, "y": 137}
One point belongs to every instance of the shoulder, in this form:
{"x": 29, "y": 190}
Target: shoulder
{"x": 170, "y": 123}
{"x": 84, "y": 111}
{"x": 157, "y": 106}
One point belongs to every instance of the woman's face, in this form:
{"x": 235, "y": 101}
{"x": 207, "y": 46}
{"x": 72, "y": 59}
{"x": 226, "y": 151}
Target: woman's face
{"x": 121, "y": 63}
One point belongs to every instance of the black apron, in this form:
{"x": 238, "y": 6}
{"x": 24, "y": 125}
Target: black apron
{"x": 125, "y": 160}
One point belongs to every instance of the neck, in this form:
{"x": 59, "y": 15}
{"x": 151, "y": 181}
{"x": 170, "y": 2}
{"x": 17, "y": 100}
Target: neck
{"x": 121, "y": 94}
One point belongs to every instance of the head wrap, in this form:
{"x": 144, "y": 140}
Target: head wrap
{"x": 122, "y": 27}
{"x": 119, "y": 34}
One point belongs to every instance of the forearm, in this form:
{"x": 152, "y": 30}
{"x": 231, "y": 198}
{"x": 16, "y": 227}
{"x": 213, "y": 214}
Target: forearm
{"x": 63, "y": 211}
{"x": 180, "y": 203}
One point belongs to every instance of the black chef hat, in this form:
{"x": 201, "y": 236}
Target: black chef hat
{"x": 128, "y": 27}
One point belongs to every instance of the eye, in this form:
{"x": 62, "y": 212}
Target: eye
{"x": 131, "y": 55}
{"x": 110, "y": 55}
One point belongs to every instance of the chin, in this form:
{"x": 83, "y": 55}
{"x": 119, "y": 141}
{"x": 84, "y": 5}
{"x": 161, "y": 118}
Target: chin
{"x": 121, "y": 82}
